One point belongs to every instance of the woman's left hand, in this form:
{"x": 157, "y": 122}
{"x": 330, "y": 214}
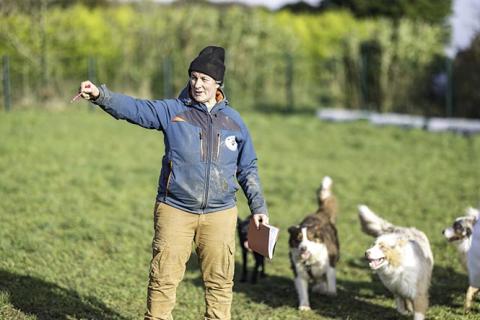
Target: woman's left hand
{"x": 260, "y": 218}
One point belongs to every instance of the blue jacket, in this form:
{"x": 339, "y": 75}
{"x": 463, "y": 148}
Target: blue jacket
{"x": 206, "y": 153}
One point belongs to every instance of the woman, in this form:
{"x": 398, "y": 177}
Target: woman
{"x": 207, "y": 150}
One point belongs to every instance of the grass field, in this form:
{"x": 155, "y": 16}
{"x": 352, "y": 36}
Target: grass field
{"x": 77, "y": 191}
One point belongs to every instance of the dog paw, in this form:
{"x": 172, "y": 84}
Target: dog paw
{"x": 404, "y": 312}
{"x": 304, "y": 308}
{"x": 467, "y": 306}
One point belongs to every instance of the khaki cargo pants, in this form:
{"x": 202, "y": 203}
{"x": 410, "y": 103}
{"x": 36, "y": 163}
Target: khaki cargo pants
{"x": 214, "y": 238}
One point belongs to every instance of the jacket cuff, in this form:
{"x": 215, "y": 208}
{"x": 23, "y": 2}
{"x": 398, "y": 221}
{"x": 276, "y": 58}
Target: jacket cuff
{"x": 260, "y": 212}
{"x": 104, "y": 95}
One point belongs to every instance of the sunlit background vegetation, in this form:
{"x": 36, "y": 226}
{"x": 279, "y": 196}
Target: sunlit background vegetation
{"x": 359, "y": 54}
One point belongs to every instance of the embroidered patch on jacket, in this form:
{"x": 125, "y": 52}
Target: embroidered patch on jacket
{"x": 178, "y": 119}
{"x": 231, "y": 143}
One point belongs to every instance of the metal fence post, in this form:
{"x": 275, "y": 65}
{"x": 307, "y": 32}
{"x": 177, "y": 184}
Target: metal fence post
{"x": 364, "y": 78}
{"x": 6, "y": 83}
{"x": 44, "y": 45}
{"x": 92, "y": 75}
{"x": 167, "y": 77}
{"x": 449, "y": 93}
{"x": 92, "y": 69}
{"x": 289, "y": 82}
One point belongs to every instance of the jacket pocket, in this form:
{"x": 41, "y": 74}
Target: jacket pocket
{"x": 187, "y": 185}
{"x": 219, "y": 143}
{"x": 169, "y": 178}
{"x": 232, "y": 184}
{"x": 202, "y": 145}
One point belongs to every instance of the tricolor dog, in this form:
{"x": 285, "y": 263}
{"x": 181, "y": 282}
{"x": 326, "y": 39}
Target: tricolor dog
{"x": 464, "y": 233}
{"x": 403, "y": 260}
{"x": 314, "y": 248}
{"x": 259, "y": 267}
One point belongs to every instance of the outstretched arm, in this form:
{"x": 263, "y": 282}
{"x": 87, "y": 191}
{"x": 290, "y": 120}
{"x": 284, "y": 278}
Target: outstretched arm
{"x": 150, "y": 114}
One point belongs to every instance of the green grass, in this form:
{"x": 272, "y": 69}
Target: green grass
{"x": 77, "y": 190}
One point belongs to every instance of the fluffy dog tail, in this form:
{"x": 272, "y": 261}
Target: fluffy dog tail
{"x": 473, "y": 213}
{"x": 327, "y": 202}
{"x": 327, "y": 182}
{"x": 325, "y": 189}
{"x": 372, "y": 224}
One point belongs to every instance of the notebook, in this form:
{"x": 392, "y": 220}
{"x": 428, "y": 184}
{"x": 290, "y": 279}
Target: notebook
{"x": 262, "y": 240}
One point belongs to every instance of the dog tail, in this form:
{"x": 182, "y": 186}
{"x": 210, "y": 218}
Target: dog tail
{"x": 327, "y": 203}
{"x": 327, "y": 183}
{"x": 325, "y": 190}
{"x": 473, "y": 213}
{"x": 372, "y": 224}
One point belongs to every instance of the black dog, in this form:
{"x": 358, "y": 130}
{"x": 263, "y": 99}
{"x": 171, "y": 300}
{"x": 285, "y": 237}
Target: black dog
{"x": 242, "y": 228}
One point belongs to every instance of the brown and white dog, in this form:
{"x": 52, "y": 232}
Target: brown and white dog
{"x": 314, "y": 248}
{"x": 403, "y": 260}
{"x": 464, "y": 233}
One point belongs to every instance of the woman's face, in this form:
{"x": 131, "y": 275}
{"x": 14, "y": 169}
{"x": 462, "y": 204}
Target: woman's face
{"x": 203, "y": 88}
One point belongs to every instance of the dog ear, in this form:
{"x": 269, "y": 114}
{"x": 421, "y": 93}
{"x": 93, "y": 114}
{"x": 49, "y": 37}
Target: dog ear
{"x": 293, "y": 229}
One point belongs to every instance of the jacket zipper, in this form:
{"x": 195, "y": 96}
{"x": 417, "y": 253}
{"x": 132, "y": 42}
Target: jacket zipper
{"x": 201, "y": 146}
{"x": 218, "y": 145}
{"x": 209, "y": 159}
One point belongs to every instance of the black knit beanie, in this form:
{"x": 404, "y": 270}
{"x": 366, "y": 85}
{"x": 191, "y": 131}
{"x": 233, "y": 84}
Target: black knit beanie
{"x": 211, "y": 62}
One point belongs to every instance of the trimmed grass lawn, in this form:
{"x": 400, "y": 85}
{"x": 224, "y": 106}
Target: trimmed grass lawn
{"x": 77, "y": 190}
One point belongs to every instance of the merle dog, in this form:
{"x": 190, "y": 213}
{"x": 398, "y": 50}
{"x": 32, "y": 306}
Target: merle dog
{"x": 242, "y": 228}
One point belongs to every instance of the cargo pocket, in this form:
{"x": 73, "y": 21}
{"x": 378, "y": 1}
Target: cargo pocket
{"x": 159, "y": 248}
{"x": 229, "y": 262}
